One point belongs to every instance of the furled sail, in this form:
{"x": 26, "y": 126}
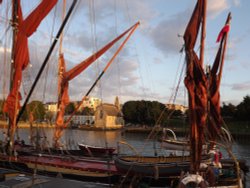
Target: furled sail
{"x": 63, "y": 98}
{"x": 195, "y": 82}
{"x": 215, "y": 119}
{"x": 25, "y": 28}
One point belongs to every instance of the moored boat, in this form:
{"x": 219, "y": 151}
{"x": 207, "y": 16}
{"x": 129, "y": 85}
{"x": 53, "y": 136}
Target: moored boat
{"x": 96, "y": 150}
{"x": 154, "y": 167}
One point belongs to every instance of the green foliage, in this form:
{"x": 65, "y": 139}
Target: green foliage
{"x": 145, "y": 112}
{"x": 49, "y": 116}
{"x": 243, "y": 109}
{"x": 228, "y": 110}
{"x": 87, "y": 111}
{"x": 240, "y": 112}
{"x": 37, "y": 108}
{"x": 70, "y": 108}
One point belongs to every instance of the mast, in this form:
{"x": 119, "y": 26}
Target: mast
{"x": 72, "y": 73}
{"x": 229, "y": 17}
{"x": 203, "y": 32}
{"x": 196, "y": 84}
{"x": 60, "y": 71}
{"x": 214, "y": 80}
{"x": 46, "y": 59}
{"x": 14, "y": 23}
{"x": 61, "y": 37}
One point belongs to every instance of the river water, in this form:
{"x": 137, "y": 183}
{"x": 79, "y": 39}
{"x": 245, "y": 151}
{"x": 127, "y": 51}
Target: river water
{"x": 137, "y": 141}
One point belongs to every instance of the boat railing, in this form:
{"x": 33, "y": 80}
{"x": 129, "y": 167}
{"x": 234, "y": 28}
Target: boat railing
{"x": 169, "y": 130}
{"x": 127, "y": 144}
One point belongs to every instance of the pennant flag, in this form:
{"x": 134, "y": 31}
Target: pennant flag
{"x": 224, "y": 30}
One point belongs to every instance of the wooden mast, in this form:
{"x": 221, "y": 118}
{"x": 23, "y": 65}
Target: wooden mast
{"x": 14, "y": 22}
{"x": 60, "y": 71}
{"x": 63, "y": 16}
{"x": 203, "y": 32}
{"x": 60, "y": 52}
{"x": 229, "y": 17}
{"x": 46, "y": 58}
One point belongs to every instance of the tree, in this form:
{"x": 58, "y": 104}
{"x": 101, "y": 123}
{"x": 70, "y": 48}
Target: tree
{"x": 143, "y": 112}
{"x": 243, "y": 109}
{"x": 87, "y": 111}
{"x": 49, "y": 116}
{"x": 129, "y": 112}
{"x": 37, "y": 109}
{"x": 70, "y": 108}
{"x": 228, "y": 110}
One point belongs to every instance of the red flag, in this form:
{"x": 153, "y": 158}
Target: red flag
{"x": 224, "y": 30}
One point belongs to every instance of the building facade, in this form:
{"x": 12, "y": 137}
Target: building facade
{"x": 182, "y": 108}
{"x": 108, "y": 116}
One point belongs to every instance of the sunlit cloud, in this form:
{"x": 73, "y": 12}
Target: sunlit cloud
{"x": 241, "y": 86}
{"x": 166, "y": 36}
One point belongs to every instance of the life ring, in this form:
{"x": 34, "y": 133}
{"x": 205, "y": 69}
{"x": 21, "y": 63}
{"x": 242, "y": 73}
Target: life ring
{"x": 192, "y": 178}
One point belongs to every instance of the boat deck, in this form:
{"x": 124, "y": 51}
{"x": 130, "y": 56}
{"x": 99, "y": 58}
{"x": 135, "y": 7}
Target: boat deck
{"x": 18, "y": 180}
{"x": 79, "y": 166}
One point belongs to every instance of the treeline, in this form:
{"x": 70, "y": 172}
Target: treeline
{"x": 141, "y": 112}
{"x": 148, "y": 113}
{"x": 241, "y": 112}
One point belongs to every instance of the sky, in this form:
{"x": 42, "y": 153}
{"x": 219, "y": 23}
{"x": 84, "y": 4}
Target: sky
{"x": 150, "y": 65}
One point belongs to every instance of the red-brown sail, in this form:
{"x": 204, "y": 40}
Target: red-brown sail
{"x": 195, "y": 82}
{"x": 63, "y": 98}
{"x": 25, "y": 28}
{"x": 215, "y": 119}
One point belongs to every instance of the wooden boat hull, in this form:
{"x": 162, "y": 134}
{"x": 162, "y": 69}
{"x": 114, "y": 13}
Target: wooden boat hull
{"x": 180, "y": 145}
{"x": 152, "y": 166}
{"x": 94, "y": 150}
{"x": 73, "y": 167}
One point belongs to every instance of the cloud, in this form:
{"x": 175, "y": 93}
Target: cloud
{"x": 236, "y": 2}
{"x": 165, "y": 34}
{"x": 121, "y": 75}
{"x": 215, "y": 7}
{"x": 241, "y": 86}
{"x": 127, "y": 10}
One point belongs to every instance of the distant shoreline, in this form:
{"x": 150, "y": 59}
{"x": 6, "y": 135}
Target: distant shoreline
{"x": 3, "y": 124}
{"x": 131, "y": 129}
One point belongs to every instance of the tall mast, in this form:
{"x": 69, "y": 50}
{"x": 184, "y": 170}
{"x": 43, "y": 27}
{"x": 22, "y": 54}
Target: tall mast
{"x": 60, "y": 52}
{"x": 203, "y": 32}
{"x": 46, "y": 58}
{"x": 63, "y": 16}
{"x": 14, "y": 23}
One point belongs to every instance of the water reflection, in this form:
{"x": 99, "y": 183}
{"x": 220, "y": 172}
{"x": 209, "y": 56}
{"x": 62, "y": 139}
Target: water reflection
{"x": 72, "y": 137}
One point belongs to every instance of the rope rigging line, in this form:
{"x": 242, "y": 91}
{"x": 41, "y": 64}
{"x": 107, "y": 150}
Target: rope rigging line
{"x": 154, "y": 132}
{"x": 48, "y": 66}
{"x": 5, "y": 35}
{"x": 133, "y": 28}
{"x": 94, "y": 41}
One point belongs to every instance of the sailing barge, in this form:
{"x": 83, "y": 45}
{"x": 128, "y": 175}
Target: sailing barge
{"x": 204, "y": 118}
{"x": 26, "y": 158}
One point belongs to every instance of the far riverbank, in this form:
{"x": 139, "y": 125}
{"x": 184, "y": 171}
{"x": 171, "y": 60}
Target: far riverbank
{"x": 3, "y": 124}
{"x": 237, "y": 129}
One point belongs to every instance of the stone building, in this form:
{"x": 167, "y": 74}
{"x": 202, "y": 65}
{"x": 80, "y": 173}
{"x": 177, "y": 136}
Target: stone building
{"x": 109, "y": 116}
